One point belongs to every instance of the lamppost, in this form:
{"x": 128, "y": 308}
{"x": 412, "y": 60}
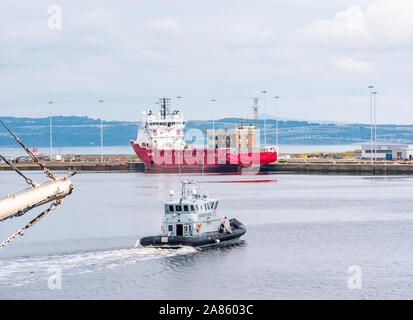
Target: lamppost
{"x": 51, "y": 133}
{"x": 371, "y": 124}
{"x": 375, "y": 125}
{"x": 213, "y": 124}
{"x": 265, "y": 122}
{"x": 101, "y": 133}
{"x": 276, "y": 121}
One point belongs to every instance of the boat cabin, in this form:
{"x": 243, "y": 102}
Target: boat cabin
{"x": 192, "y": 214}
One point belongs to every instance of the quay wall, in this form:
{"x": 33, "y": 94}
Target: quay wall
{"x": 131, "y": 163}
{"x": 339, "y": 167}
{"x": 85, "y": 163}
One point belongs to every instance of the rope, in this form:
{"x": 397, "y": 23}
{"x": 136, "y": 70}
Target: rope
{"x": 48, "y": 173}
{"x": 21, "y": 231}
{"x": 28, "y": 180}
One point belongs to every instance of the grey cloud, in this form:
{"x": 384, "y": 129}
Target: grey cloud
{"x": 318, "y": 56}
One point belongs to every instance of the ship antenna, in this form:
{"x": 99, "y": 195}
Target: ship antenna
{"x": 165, "y": 103}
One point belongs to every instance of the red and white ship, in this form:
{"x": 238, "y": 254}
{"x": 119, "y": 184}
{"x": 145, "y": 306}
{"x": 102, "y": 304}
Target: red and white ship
{"x": 160, "y": 145}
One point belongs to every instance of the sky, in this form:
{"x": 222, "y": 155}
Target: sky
{"x": 318, "y": 56}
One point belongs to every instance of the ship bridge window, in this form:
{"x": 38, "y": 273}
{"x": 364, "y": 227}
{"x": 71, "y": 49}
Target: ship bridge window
{"x": 178, "y": 208}
{"x": 216, "y": 205}
{"x": 171, "y": 208}
{"x": 186, "y": 208}
{"x": 192, "y": 208}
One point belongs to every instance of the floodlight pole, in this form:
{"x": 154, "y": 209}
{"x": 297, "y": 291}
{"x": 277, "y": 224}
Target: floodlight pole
{"x": 265, "y": 122}
{"x": 101, "y": 134}
{"x": 371, "y": 124}
{"x": 276, "y": 121}
{"x": 213, "y": 123}
{"x": 51, "y": 133}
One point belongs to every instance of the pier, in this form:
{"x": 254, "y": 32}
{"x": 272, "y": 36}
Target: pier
{"x": 341, "y": 167}
{"x": 131, "y": 163}
{"x": 71, "y": 162}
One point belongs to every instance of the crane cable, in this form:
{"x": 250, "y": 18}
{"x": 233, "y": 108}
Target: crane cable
{"x": 28, "y": 180}
{"x": 21, "y": 231}
{"x": 48, "y": 173}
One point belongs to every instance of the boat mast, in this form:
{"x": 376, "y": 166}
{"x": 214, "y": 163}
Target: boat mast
{"x": 165, "y": 103}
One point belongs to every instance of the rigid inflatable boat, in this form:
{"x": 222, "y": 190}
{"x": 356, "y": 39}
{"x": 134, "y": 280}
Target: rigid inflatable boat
{"x": 192, "y": 220}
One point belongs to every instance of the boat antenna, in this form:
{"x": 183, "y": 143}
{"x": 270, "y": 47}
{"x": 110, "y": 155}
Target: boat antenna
{"x": 164, "y": 103}
{"x": 48, "y": 173}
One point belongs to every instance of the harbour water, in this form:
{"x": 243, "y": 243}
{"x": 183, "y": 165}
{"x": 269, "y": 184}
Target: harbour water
{"x": 304, "y": 232}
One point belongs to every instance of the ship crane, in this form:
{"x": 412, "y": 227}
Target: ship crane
{"x": 19, "y": 203}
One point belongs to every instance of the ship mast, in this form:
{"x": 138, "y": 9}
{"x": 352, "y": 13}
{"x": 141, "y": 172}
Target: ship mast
{"x": 164, "y": 103}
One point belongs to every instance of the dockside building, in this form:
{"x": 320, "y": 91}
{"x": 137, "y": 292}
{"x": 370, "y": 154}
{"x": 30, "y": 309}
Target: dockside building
{"x": 387, "y": 151}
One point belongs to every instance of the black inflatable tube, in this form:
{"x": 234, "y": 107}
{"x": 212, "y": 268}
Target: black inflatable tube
{"x": 207, "y": 239}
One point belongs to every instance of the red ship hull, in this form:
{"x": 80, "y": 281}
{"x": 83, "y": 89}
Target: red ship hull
{"x": 201, "y": 159}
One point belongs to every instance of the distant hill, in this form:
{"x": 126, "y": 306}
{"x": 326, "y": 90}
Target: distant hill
{"x": 67, "y": 131}
{"x": 85, "y": 131}
{"x": 269, "y": 116}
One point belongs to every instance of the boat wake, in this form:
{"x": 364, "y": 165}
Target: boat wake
{"x": 21, "y": 271}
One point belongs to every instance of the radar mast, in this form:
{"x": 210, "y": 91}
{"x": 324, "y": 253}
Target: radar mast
{"x": 164, "y": 107}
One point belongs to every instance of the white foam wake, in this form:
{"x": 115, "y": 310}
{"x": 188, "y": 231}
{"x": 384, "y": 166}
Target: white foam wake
{"x": 23, "y": 270}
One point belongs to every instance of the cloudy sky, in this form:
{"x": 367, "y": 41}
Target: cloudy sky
{"x": 319, "y": 56}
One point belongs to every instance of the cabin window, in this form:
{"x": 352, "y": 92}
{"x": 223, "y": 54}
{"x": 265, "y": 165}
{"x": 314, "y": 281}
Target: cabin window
{"x": 171, "y": 208}
{"x": 170, "y": 228}
{"x": 186, "y": 208}
{"x": 178, "y": 208}
{"x": 192, "y": 208}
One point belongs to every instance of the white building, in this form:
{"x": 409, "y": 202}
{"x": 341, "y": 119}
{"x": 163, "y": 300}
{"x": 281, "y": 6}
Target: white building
{"x": 387, "y": 152}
